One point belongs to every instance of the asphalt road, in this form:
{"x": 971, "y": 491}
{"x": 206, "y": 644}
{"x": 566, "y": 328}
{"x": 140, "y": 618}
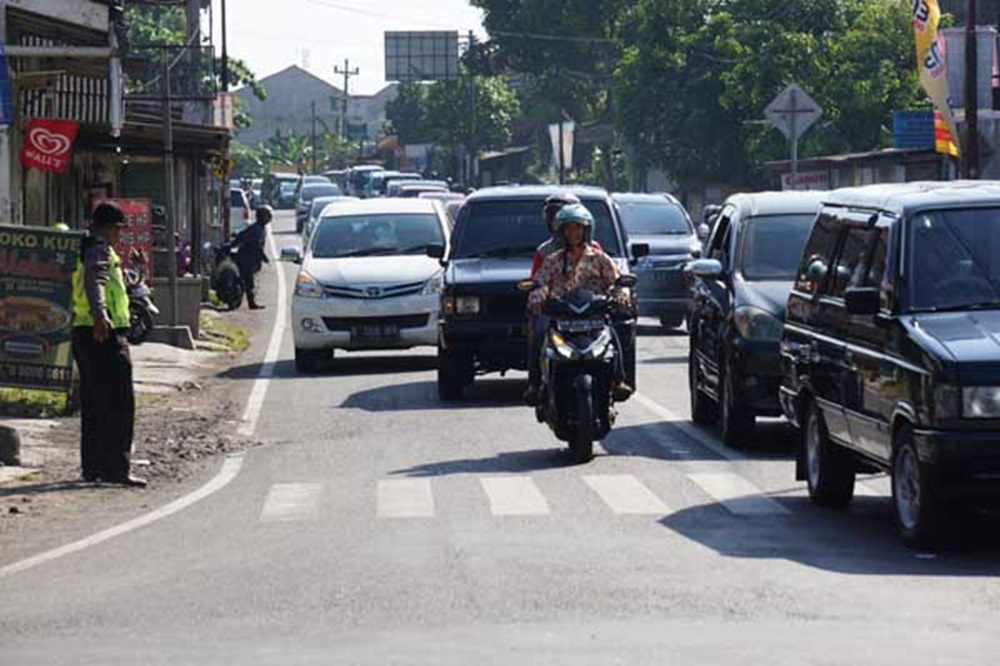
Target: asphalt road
{"x": 381, "y": 526}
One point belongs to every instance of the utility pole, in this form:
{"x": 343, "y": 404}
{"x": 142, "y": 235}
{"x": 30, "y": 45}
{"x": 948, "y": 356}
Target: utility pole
{"x": 473, "y": 147}
{"x": 348, "y": 73}
{"x": 169, "y": 186}
{"x": 971, "y": 162}
{"x": 313, "y": 133}
{"x": 224, "y": 189}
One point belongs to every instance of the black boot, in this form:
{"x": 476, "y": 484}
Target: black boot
{"x": 254, "y": 305}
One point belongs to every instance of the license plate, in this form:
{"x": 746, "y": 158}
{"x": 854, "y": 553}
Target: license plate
{"x": 375, "y": 333}
{"x": 580, "y": 325}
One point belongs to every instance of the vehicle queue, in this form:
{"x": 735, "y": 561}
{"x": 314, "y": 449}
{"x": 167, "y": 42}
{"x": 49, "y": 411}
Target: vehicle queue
{"x": 867, "y": 317}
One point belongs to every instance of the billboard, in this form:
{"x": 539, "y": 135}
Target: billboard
{"x": 36, "y": 300}
{"x": 138, "y": 234}
{"x": 421, "y": 56}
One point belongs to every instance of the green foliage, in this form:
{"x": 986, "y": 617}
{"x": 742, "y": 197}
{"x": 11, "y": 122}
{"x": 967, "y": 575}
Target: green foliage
{"x": 693, "y": 72}
{"x": 406, "y": 113}
{"x": 447, "y": 118}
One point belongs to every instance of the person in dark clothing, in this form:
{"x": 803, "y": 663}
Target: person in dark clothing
{"x": 251, "y": 256}
{"x": 100, "y": 324}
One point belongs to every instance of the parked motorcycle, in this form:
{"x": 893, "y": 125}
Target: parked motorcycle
{"x": 226, "y": 280}
{"x": 140, "y": 300}
{"x": 578, "y": 368}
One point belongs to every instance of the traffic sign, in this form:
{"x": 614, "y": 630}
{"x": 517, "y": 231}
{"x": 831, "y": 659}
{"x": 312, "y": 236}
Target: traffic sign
{"x": 793, "y": 111}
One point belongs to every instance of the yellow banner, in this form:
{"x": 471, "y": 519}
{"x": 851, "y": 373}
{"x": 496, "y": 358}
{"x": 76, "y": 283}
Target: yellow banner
{"x": 932, "y": 62}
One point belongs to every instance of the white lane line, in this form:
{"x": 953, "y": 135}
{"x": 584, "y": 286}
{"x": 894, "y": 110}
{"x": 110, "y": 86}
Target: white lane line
{"x": 291, "y": 502}
{"x": 737, "y": 494}
{"x": 259, "y": 391}
{"x": 230, "y": 468}
{"x": 514, "y": 496}
{"x": 689, "y": 429}
{"x": 625, "y": 494}
{"x": 405, "y": 498}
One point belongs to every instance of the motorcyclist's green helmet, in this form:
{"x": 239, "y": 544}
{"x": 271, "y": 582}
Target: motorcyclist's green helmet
{"x": 575, "y": 214}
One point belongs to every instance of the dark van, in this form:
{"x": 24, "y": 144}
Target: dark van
{"x": 483, "y": 314}
{"x": 891, "y": 349}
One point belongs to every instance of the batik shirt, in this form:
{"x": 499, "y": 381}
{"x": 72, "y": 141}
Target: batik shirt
{"x": 595, "y": 272}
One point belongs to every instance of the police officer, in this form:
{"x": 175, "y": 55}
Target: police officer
{"x": 250, "y": 256}
{"x": 100, "y": 322}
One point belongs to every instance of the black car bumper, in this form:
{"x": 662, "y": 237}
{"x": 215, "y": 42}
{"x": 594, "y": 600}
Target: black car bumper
{"x": 758, "y": 367}
{"x": 495, "y": 345}
{"x": 966, "y": 462}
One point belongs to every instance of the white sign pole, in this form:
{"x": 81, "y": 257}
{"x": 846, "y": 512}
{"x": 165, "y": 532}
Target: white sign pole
{"x": 795, "y": 142}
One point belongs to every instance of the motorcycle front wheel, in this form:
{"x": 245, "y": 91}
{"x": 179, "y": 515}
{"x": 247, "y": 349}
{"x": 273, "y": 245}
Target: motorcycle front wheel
{"x": 581, "y": 445}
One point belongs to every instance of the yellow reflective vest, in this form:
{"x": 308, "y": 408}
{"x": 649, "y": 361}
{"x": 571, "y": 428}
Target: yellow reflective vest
{"x": 115, "y": 294}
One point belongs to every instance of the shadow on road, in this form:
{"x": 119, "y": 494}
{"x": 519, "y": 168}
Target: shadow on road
{"x": 860, "y": 541}
{"x": 533, "y": 460}
{"x": 420, "y": 396}
{"x": 347, "y": 366}
{"x": 656, "y": 329}
{"x": 40, "y": 488}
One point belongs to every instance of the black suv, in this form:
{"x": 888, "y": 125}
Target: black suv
{"x": 739, "y": 306}
{"x": 482, "y": 325}
{"x": 891, "y": 350}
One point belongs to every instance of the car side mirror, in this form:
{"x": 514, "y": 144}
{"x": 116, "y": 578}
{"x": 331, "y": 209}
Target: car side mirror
{"x": 703, "y": 231}
{"x": 707, "y": 269}
{"x": 863, "y": 301}
{"x": 292, "y": 254}
{"x": 436, "y": 251}
{"x": 640, "y": 250}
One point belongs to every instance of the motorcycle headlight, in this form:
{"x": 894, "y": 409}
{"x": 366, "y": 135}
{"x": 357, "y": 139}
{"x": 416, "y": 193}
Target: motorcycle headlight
{"x": 306, "y": 286}
{"x": 981, "y": 402}
{"x": 562, "y": 347}
{"x": 599, "y": 347}
{"x": 757, "y": 325}
{"x": 434, "y": 285}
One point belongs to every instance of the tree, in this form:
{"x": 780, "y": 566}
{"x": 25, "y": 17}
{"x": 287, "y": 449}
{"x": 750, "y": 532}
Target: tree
{"x": 695, "y": 76}
{"x": 406, "y": 113}
{"x": 446, "y": 116}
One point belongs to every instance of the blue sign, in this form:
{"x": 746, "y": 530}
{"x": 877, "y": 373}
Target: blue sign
{"x": 913, "y": 129}
{"x": 6, "y": 94}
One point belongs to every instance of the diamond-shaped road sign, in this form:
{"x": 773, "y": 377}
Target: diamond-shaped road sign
{"x": 793, "y": 111}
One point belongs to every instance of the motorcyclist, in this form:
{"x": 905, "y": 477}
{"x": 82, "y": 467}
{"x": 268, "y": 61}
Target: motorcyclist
{"x": 250, "y": 255}
{"x": 580, "y": 264}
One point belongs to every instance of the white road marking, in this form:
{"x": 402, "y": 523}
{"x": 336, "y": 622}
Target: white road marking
{"x": 737, "y": 494}
{"x": 625, "y": 494}
{"x": 514, "y": 496}
{"x": 688, "y": 428}
{"x": 405, "y": 498}
{"x": 230, "y": 468}
{"x": 259, "y": 391}
{"x": 291, "y": 502}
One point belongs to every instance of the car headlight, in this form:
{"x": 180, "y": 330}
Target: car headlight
{"x": 461, "y": 305}
{"x": 981, "y": 402}
{"x": 756, "y": 324}
{"x": 434, "y": 285}
{"x": 306, "y": 286}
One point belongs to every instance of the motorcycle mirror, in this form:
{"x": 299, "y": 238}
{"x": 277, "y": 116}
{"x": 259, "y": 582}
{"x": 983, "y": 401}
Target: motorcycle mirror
{"x": 526, "y": 285}
{"x": 627, "y": 281}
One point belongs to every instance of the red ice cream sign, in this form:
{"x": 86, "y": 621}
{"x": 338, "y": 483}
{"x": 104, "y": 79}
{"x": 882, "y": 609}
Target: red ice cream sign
{"x": 47, "y": 144}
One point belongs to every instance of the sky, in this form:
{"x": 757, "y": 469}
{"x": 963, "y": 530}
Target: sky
{"x": 318, "y": 35}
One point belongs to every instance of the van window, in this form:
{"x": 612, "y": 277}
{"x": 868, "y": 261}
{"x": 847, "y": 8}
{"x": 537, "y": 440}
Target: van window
{"x": 816, "y": 258}
{"x": 718, "y": 247}
{"x": 852, "y": 265}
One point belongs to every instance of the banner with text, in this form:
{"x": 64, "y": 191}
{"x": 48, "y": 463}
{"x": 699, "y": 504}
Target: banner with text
{"x": 36, "y": 297}
{"x": 932, "y": 61}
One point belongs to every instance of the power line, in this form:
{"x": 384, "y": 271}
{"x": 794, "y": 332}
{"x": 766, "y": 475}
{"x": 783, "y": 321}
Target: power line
{"x": 374, "y": 14}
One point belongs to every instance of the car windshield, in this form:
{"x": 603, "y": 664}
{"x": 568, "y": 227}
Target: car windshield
{"x": 376, "y": 235}
{"x": 287, "y": 187}
{"x": 958, "y": 254}
{"x": 654, "y": 218}
{"x": 772, "y": 246}
{"x": 310, "y": 192}
{"x": 515, "y": 227}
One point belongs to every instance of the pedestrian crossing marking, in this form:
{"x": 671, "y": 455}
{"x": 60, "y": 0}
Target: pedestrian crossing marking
{"x": 514, "y": 496}
{"x": 405, "y": 498}
{"x": 737, "y": 494}
{"x": 625, "y": 494}
{"x": 290, "y": 502}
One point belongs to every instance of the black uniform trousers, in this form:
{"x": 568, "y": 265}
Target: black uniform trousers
{"x": 107, "y": 404}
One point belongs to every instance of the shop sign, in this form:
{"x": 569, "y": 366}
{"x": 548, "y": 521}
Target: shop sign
{"x": 36, "y": 297}
{"x": 138, "y": 235}
{"x": 48, "y": 143}
{"x": 6, "y": 93}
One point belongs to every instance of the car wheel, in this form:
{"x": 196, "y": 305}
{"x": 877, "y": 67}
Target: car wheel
{"x": 454, "y": 373}
{"x": 916, "y": 506}
{"x": 829, "y": 467}
{"x": 704, "y": 410}
{"x": 737, "y": 419}
{"x": 308, "y": 361}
